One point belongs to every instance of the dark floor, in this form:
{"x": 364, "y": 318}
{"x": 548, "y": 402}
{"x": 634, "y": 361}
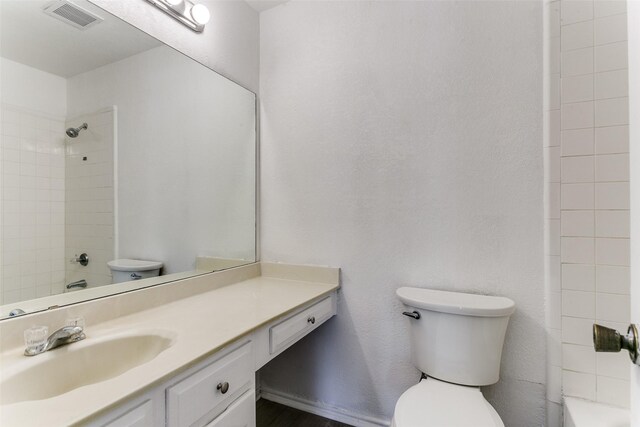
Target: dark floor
{"x": 271, "y": 414}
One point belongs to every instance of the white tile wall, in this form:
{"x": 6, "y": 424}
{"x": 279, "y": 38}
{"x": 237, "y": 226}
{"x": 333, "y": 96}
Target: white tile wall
{"x": 611, "y": 112}
{"x": 611, "y": 84}
{"x": 90, "y": 197}
{"x": 612, "y": 139}
{"x": 577, "y": 142}
{"x": 594, "y": 188}
{"x": 612, "y": 195}
{"x": 576, "y": 196}
{"x": 578, "y": 358}
{"x": 577, "y": 223}
{"x": 32, "y": 237}
{"x": 577, "y": 62}
{"x": 577, "y": 88}
{"x": 610, "y": 29}
{"x": 609, "y": 7}
{"x": 579, "y": 277}
{"x": 577, "y": 115}
{"x": 576, "y": 36}
{"x": 611, "y": 56}
{"x": 577, "y": 169}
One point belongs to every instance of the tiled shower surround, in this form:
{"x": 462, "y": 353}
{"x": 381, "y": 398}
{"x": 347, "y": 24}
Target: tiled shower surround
{"x": 588, "y": 195}
{"x": 33, "y": 205}
{"x": 90, "y": 197}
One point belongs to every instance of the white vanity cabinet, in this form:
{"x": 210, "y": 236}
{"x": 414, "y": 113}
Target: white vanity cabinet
{"x": 241, "y": 413}
{"x": 220, "y": 391}
{"x": 141, "y": 415}
{"x": 201, "y": 397}
{"x": 146, "y": 410}
{"x": 208, "y": 393}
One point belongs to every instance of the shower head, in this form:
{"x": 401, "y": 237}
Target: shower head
{"x": 73, "y": 132}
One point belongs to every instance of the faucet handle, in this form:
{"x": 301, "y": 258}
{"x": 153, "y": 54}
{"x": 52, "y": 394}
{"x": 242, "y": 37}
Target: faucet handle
{"x": 35, "y": 338}
{"x": 75, "y": 321}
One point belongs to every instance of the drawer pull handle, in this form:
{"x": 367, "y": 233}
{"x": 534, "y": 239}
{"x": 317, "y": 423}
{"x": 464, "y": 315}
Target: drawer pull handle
{"x": 312, "y": 320}
{"x": 223, "y": 387}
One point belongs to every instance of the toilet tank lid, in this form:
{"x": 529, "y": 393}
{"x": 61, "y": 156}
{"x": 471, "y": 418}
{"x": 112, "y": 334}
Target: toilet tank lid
{"x": 456, "y": 302}
{"x": 125, "y": 264}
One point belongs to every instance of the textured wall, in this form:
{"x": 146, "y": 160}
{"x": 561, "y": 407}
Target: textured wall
{"x": 229, "y": 43}
{"x": 401, "y": 142}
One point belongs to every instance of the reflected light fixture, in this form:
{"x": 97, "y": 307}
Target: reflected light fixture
{"x": 194, "y": 16}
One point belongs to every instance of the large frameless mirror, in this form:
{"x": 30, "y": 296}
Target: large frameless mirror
{"x": 124, "y": 162}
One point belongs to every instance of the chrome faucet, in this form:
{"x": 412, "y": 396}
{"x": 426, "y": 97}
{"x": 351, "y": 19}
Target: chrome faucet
{"x": 77, "y": 284}
{"x": 63, "y": 336}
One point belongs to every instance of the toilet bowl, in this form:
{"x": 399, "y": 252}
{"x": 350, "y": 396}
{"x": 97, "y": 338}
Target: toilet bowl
{"x": 456, "y": 341}
{"x": 124, "y": 270}
{"x": 434, "y": 403}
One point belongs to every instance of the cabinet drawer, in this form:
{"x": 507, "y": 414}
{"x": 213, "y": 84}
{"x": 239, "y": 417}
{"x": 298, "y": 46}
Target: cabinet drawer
{"x": 296, "y": 326}
{"x": 241, "y": 413}
{"x": 199, "y": 398}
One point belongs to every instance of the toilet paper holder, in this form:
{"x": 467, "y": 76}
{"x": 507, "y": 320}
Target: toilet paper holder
{"x": 611, "y": 341}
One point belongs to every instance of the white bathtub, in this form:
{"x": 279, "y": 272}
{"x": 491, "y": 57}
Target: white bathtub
{"x": 583, "y": 413}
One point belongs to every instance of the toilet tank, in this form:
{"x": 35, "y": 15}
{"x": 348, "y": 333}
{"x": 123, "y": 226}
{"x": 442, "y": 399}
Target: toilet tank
{"x": 125, "y": 270}
{"x": 458, "y": 337}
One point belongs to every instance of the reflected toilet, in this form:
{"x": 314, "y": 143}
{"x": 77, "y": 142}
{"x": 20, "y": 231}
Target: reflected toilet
{"x": 124, "y": 270}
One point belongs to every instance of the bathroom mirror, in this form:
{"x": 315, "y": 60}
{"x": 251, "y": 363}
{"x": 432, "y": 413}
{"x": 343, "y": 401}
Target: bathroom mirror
{"x": 115, "y": 146}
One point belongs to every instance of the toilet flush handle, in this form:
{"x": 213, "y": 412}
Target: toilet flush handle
{"x": 413, "y": 314}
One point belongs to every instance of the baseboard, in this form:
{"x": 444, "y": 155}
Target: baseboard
{"x": 333, "y": 413}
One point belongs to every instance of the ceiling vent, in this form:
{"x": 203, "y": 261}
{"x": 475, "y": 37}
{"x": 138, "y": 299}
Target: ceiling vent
{"x": 72, "y": 14}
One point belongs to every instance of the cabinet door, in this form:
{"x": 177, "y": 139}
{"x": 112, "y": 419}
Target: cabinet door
{"x": 241, "y": 413}
{"x": 140, "y": 416}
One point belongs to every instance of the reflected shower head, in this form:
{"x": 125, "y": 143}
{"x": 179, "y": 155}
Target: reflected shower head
{"x": 73, "y": 132}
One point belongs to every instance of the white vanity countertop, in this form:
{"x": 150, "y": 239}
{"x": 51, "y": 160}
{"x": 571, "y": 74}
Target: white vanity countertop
{"x": 202, "y": 324}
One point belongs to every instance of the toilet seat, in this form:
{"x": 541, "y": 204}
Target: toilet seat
{"x": 434, "y": 403}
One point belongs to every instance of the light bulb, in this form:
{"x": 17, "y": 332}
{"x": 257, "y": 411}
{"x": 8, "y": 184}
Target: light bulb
{"x": 175, "y": 2}
{"x": 200, "y": 14}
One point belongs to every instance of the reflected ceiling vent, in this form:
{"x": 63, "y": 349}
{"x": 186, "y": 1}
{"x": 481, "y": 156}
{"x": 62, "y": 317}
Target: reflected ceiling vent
{"x": 72, "y": 14}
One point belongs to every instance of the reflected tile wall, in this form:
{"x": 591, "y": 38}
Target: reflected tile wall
{"x": 90, "y": 197}
{"x": 33, "y": 197}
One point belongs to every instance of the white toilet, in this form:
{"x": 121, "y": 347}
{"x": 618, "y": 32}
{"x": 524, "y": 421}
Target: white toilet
{"x": 124, "y": 270}
{"x": 456, "y": 341}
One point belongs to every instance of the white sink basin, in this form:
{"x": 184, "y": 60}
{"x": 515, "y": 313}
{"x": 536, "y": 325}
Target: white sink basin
{"x": 79, "y": 364}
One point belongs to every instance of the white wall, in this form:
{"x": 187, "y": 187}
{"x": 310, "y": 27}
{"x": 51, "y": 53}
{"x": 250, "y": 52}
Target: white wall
{"x": 32, "y": 182}
{"x": 591, "y": 161}
{"x": 229, "y": 43}
{"x": 401, "y": 142}
{"x": 32, "y": 89}
{"x": 186, "y": 157}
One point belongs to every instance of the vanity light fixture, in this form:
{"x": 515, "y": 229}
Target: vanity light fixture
{"x": 194, "y": 16}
